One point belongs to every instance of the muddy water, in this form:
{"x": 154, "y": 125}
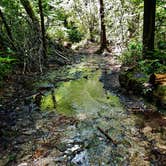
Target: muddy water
{"x": 105, "y": 133}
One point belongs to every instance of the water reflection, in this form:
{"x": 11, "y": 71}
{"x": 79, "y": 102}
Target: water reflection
{"x": 80, "y": 97}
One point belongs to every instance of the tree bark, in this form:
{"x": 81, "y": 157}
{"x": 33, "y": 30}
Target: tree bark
{"x": 8, "y": 30}
{"x": 38, "y": 33}
{"x": 1, "y": 43}
{"x": 43, "y": 29}
{"x": 149, "y": 27}
{"x": 28, "y": 8}
{"x": 103, "y": 39}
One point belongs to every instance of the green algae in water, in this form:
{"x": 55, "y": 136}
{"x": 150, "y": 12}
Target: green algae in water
{"x": 81, "y": 96}
{"x": 47, "y": 103}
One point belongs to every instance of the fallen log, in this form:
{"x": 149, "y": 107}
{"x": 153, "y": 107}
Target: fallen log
{"x": 158, "y": 79}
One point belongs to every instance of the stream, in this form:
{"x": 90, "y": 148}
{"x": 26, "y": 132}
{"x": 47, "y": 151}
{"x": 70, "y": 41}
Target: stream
{"x": 84, "y": 118}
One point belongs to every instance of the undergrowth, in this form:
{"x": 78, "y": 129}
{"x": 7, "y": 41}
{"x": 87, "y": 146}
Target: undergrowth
{"x": 6, "y": 64}
{"x": 156, "y": 63}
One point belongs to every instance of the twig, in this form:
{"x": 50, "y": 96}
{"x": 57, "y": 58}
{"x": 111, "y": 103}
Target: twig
{"x": 62, "y": 55}
{"x": 106, "y": 135}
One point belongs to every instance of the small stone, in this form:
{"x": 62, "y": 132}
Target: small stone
{"x": 147, "y": 129}
{"x": 23, "y": 164}
{"x": 29, "y": 132}
{"x": 162, "y": 148}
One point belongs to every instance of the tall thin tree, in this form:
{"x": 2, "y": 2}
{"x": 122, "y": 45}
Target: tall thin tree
{"x": 149, "y": 27}
{"x": 42, "y": 29}
{"x": 38, "y": 42}
{"x": 8, "y": 30}
{"x": 103, "y": 39}
{"x": 29, "y": 10}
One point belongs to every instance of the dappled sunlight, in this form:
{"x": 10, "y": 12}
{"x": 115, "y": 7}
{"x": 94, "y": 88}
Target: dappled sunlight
{"x": 80, "y": 96}
{"x": 86, "y": 100}
{"x": 82, "y": 83}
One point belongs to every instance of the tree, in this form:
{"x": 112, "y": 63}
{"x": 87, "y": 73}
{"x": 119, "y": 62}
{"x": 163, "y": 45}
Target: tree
{"x": 42, "y": 29}
{"x": 8, "y": 30}
{"x": 149, "y": 26}
{"x": 38, "y": 44}
{"x": 103, "y": 39}
{"x": 85, "y": 14}
{"x": 28, "y": 8}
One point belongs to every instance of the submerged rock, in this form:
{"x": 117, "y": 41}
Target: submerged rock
{"x": 81, "y": 159}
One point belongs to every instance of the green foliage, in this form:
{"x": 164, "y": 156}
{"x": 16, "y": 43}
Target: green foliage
{"x": 133, "y": 54}
{"x": 60, "y": 34}
{"x": 151, "y": 66}
{"x": 156, "y": 63}
{"x": 77, "y": 20}
{"x": 61, "y": 15}
{"x": 74, "y": 35}
{"x": 12, "y": 157}
{"x": 5, "y": 67}
{"x": 135, "y": 47}
{"x": 160, "y": 21}
{"x": 67, "y": 28}
{"x": 7, "y": 60}
{"x": 160, "y": 54}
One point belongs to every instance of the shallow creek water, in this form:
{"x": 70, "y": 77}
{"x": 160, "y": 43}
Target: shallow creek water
{"x": 96, "y": 109}
{"x": 84, "y": 121}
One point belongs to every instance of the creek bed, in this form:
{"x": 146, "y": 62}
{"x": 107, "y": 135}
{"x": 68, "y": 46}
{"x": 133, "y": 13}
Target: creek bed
{"x": 81, "y": 123}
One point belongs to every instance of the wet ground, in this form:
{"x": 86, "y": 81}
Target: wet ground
{"x": 79, "y": 116}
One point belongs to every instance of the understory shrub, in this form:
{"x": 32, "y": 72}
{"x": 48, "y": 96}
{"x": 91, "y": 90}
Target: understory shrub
{"x": 6, "y": 64}
{"x": 74, "y": 35}
{"x": 156, "y": 63}
{"x": 133, "y": 53}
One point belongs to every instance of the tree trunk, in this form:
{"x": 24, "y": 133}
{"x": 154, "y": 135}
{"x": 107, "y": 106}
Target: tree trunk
{"x": 1, "y": 43}
{"x": 91, "y": 33}
{"x": 103, "y": 40}
{"x": 28, "y": 8}
{"x": 8, "y": 30}
{"x": 40, "y": 60}
{"x": 149, "y": 27}
{"x": 43, "y": 29}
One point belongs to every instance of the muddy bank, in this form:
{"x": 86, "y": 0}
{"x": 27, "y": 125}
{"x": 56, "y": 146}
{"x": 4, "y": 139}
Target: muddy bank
{"x": 139, "y": 84}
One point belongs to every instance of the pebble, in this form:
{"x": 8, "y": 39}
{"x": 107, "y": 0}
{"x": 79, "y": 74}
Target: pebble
{"x": 23, "y": 164}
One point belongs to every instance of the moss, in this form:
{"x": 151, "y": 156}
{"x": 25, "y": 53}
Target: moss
{"x": 134, "y": 80}
{"x": 162, "y": 89}
{"x": 47, "y": 103}
{"x": 81, "y": 95}
{"x": 160, "y": 95}
{"x": 139, "y": 77}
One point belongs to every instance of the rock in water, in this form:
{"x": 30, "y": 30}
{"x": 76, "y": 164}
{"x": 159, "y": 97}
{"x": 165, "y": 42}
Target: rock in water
{"x": 81, "y": 159}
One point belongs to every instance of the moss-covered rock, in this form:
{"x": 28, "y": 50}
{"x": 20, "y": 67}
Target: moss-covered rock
{"x": 139, "y": 83}
{"x": 135, "y": 81}
{"x": 159, "y": 95}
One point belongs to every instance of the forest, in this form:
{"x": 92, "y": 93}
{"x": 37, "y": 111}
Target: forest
{"x": 82, "y": 83}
